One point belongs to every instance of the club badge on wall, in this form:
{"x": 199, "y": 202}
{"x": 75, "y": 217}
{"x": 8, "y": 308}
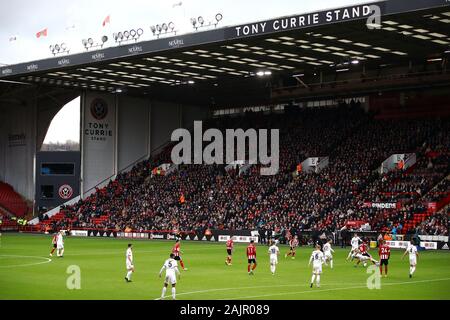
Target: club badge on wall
{"x": 65, "y": 192}
{"x": 99, "y": 109}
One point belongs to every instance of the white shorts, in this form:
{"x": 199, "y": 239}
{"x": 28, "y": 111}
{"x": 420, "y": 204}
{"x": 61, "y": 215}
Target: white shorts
{"x": 129, "y": 266}
{"x": 59, "y": 246}
{"x": 362, "y": 258}
{"x": 273, "y": 260}
{"x": 317, "y": 269}
{"x": 170, "y": 278}
{"x": 413, "y": 261}
{"x": 328, "y": 255}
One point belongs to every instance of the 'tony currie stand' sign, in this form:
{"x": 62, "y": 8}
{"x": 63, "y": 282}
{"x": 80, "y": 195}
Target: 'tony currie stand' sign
{"x": 304, "y": 20}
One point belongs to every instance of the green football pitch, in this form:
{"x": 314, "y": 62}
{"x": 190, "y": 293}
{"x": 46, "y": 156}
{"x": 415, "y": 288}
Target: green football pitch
{"x": 27, "y": 272}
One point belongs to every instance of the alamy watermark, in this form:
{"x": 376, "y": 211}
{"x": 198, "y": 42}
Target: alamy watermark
{"x": 228, "y": 150}
{"x": 73, "y": 281}
{"x": 374, "y": 20}
{"x": 374, "y": 280}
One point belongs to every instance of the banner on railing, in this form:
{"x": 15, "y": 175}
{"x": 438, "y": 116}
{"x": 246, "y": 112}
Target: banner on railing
{"x": 429, "y": 245}
{"x": 79, "y": 233}
{"x": 245, "y": 239}
{"x": 102, "y": 233}
{"x": 382, "y": 205}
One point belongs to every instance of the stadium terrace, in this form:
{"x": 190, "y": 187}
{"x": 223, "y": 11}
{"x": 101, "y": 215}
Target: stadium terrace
{"x": 172, "y": 141}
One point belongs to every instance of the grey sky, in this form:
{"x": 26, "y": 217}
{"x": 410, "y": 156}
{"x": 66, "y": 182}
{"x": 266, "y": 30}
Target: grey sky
{"x": 24, "y": 18}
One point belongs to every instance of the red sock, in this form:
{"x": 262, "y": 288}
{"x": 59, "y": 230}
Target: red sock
{"x": 381, "y": 270}
{"x": 182, "y": 264}
{"x": 53, "y": 250}
{"x": 254, "y": 267}
{"x": 293, "y": 254}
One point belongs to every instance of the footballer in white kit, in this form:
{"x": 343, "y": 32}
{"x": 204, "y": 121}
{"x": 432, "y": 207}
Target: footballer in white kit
{"x": 413, "y": 254}
{"x": 317, "y": 258}
{"x": 327, "y": 250}
{"x": 355, "y": 244}
{"x": 129, "y": 262}
{"x": 171, "y": 267}
{"x": 60, "y": 244}
{"x": 273, "y": 251}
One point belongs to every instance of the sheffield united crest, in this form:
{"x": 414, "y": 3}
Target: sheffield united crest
{"x": 99, "y": 109}
{"x": 65, "y": 192}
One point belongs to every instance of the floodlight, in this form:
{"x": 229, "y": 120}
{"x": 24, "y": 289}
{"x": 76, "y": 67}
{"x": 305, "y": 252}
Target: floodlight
{"x": 193, "y": 21}
{"x": 84, "y": 42}
{"x": 104, "y": 39}
{"x": 140, "y": 32}
{"x": 171, "y": 26}
{"x": 165, "y": 27}
{"x": 201, "y": 20}
{"x": 59, "y": 48}
{"x": 133, "y": 33}
{"x": 126, "y": 34}
{"x": 158, "y": 28}
{"x": 90, "y": 41}
{"x": 219, "y": 17}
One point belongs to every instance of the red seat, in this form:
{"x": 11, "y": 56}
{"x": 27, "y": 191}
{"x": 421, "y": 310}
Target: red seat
{"x": 11, "y": 200}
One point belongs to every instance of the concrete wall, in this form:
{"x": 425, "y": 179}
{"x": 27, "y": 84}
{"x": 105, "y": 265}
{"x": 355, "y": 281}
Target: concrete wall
{"x": 165, "y": 117}
{"x": 138, "y": 126}
{"x": 133, "y": 130}
{"x": 99, "y": 139}
{"x": 57, "y": 181}
{"x": 17, "y": 154}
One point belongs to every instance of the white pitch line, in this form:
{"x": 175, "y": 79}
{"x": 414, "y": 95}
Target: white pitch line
{"x": 294, "y": 285}
{"x": 334, "y": 289}
{"x": 47, "y": 260}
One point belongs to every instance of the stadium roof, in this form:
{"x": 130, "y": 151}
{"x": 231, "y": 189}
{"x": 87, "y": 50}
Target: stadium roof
{"x": 218, "y": 66}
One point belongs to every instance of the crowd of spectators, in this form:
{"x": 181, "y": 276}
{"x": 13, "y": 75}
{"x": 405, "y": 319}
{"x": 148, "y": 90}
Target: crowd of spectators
{"x": 197, "y": 197}
{"x": 437, "y": 224}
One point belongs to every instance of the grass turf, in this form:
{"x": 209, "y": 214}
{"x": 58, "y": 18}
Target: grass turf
{"x": 25, "y": 272}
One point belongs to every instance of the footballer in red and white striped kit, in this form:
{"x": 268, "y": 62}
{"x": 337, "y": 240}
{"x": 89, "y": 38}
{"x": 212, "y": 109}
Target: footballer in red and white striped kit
{"x": 293, "y": 244}
{"x": 384, "y": 251}
{"x": 251, "y": 256}
{"x": 54, "y": 240}
{"x": 363, "y": 251}
{"x": 230, "y": 246}
{"x": 176, "y": 250}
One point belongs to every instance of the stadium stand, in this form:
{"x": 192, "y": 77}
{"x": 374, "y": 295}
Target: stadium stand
{"x": 197, "y": 197}
{"x": 11, "y": 202}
